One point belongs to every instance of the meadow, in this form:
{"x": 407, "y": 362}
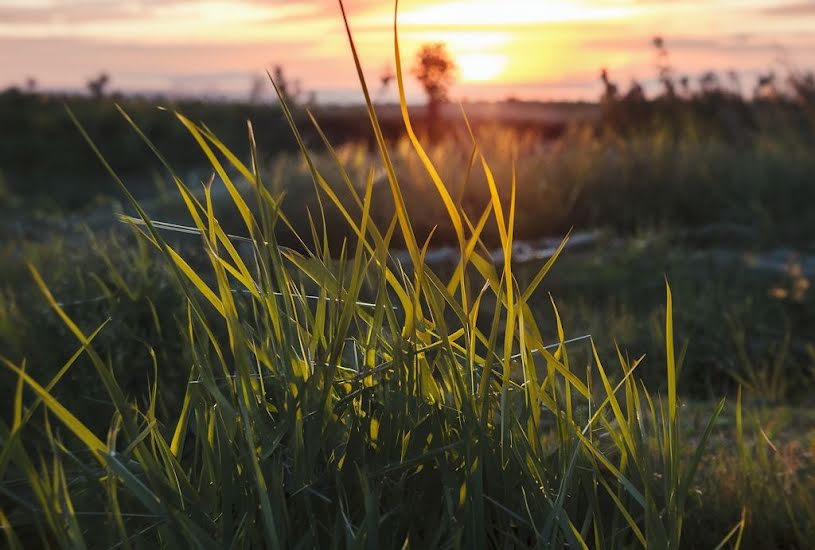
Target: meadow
{"x": 258, "y": 343}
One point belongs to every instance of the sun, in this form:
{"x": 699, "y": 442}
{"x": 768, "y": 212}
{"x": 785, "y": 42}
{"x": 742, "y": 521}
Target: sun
{"x": 480, "y": 67}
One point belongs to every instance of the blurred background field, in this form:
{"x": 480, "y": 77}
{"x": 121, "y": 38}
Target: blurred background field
{"x": 710, "y": 189}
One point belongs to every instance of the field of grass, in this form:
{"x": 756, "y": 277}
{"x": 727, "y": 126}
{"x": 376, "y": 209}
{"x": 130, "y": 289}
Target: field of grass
{"x": 289, "y": 366}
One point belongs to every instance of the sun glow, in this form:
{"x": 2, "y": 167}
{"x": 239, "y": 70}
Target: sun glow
{"x": 487, "y": 38}
{"x": 510, "y": 12}
{"x": 480, "y": 67}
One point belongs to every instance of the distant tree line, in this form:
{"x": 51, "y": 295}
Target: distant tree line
{"x": 714, "y": 101}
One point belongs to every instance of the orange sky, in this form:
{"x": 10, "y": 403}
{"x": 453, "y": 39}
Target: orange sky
{"x": 547, "y": 49}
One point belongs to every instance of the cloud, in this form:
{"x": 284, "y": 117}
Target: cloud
{"x": 184, "y": 68}
{"x": 739, "y": 42}
{"x": 793, "y": 9}
{"x": 79, "y": 12}
{"x": 91, "y": 11}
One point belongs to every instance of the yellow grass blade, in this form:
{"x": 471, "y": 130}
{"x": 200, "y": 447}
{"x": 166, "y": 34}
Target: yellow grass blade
{"x": 399, "y": 202}
{"x": 243, "y": 208}
{"x": 199, "y": 283}
{"x": 93, "y": 443}
{"x": 449, "y": 204}
{"x": 670, "y": 356}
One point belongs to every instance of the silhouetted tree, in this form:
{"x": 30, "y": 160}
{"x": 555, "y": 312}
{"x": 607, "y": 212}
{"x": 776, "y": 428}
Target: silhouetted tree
{"x": 666, "y": 76}
{"x": 766, "y": 87}
{"x": 684, "y": 84}
{"x": 735, "y": 84}
{"x": 709, "y": 83}
{"x": 385, "y": 78}
{"x": 290, "y": 90}
{"x": 97, "y": 86}
{"x": 802, "y": 85}
{"x": 257, "y": 88}
{"x": 635, "y": 93}
{"x": 611, "y": 89}
{"x": 435, "y": 70}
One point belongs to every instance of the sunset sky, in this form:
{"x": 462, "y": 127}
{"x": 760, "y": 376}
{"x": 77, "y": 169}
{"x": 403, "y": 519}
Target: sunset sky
{"x": 544, "y": 49}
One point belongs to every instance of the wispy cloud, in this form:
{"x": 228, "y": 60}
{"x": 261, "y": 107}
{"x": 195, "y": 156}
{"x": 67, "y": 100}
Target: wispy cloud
{"x": 792, "y": 9}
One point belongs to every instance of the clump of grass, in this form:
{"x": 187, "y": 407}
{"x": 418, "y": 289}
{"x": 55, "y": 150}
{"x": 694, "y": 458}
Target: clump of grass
{"x": 350, "y": 401}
